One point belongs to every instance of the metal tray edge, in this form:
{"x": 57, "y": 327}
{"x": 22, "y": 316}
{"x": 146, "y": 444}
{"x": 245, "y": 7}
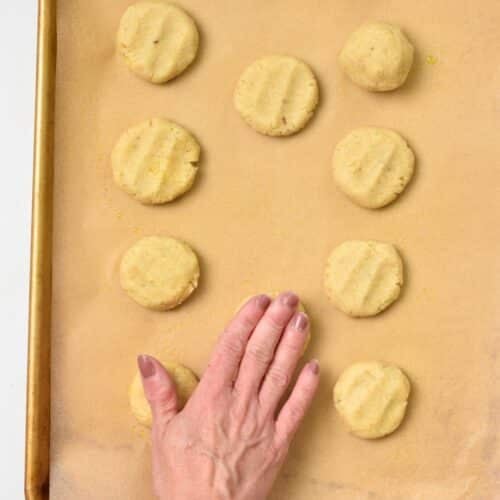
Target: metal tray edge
{"x": 37, "y": 446}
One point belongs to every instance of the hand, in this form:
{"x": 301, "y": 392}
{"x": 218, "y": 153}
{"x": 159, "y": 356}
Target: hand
{"x": 231, "y": 438}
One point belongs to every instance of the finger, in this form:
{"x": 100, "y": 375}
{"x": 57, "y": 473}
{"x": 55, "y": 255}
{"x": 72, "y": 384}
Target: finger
{"x": 285, "y": 360}
{"x": 298, "y": 403}
{"x": 230, "y": 348}
{"x": 262, "y": 344}
{"x": 159, "y": 389}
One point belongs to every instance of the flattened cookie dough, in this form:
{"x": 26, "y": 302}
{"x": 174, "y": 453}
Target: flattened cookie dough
{"x": 277, "y": 95}
{"x": 159, "y": 272}
{"x": 185, "y": 381}
{"x": 362, "y": 278}
{"x": 372, "y": 166}
{"x": 155, "y": 161}
{"x": 300, "y": 308}
{"x": 157, "y": 40}
{"x": 371, "y": 398}
{"x": 377, "y": 56}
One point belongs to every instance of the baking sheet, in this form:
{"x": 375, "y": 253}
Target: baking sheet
{"x": 263, "y": 215}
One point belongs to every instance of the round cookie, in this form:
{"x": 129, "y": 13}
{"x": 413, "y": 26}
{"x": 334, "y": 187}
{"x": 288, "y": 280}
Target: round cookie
{"x": 155, "y": 161}
{"x": 300, "y": 308}
{"x": 277, "y": 95}
{"x": 159, "y": 272}
{"x": 185, "y": 381}
{"x": 362, "y": 278}
{"x": 377, "y": 56}
{"x": 371, "y": 398}
{"x": 157, "y": 40}
{"x": 372, "y": 166}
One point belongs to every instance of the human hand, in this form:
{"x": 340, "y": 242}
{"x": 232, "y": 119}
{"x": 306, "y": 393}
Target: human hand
{"x": 232, "y": 437}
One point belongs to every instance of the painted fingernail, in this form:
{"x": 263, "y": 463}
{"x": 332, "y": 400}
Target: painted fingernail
{"x": 300, "y": 323}
{"x": 146, "y": 366}
{"x": 263, "y": 301}
{"x": 290, "y": 299}
{"x": 314, "y": 366}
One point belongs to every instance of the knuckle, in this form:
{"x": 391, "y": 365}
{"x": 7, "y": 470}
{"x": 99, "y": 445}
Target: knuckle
{"x": 305, "y": 394}
{"x": 293, "y": 348}
{"x": 279, "y": 378}
{"x": 274, "y": 325}
{"x": 162, "y": 394}
{"x": 245, "y": 322}
{"x": 232, "y": 345}
{"x": 279, "y": 453}
{"x": 261, "y": 354}
{"x": 296, "y": 411}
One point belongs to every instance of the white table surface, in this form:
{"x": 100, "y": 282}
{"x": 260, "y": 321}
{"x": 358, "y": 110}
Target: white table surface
{"x": 17, "y": 74}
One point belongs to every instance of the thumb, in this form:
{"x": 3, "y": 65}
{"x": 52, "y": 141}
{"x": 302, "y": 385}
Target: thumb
{"x": 159, "y": 389}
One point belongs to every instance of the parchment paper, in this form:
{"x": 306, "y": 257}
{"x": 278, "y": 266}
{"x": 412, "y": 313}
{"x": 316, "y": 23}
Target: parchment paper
{"x": 263, "y": 215}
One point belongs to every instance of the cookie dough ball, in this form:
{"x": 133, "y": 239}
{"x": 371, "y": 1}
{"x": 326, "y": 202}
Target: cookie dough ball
{"x": 371, "y": 398}
{"x": 277, "y": 95}
{"x": 185, "y": 381}
{"x": 362, "y": 278}
{"x": 155, "y": 161}
{"x": 372, "y": 166}
{"x": 300, "y": 308}
{"x": 157, "y": 40}
{"x": 159, "y": 272}
{"x": 377, "y": 56}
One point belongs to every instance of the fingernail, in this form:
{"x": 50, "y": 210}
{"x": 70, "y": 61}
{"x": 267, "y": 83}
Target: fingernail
{"x": 263, "y": 301}
{"x": 290, "y": 299}
{"x": 146, "y": 366}
{"x": 301, "y": 321}
{"x": 314, "y": 366}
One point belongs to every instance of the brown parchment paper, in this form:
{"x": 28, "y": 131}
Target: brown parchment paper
{"x": 263, "y": 215}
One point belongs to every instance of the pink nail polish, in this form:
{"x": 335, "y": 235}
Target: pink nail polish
{"x": 263, "y": 301}
{"x": 314, "y": 366}
{"x": 300, "y": 323}
{"x": 146, "y": 366}
{"x": 290, "y": 299}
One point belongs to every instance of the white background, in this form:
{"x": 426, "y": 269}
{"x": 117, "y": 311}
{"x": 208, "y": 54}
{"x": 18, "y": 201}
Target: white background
{"x": 17, "y": 83}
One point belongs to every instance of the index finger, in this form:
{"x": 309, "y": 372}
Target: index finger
{"x": 228, "y": 352}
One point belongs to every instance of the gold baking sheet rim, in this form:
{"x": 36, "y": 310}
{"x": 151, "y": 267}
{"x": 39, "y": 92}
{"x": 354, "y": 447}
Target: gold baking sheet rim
{"x": 38, "y": 382}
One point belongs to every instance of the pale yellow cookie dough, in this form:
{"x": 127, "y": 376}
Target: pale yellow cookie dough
{"x": 159, "y": 272}
{"x": 157, "y": 40}
{"x": 371, "y": 398}
{"x": 185, "y": 381}
{"x": 300, "y": 308}
{"x": 362, "y": 278}
{"x": 372, "y": 166}
{"x": 155, "y": 161}
{"x": 377, "y": 56}
{"x": 277, "y": 95}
